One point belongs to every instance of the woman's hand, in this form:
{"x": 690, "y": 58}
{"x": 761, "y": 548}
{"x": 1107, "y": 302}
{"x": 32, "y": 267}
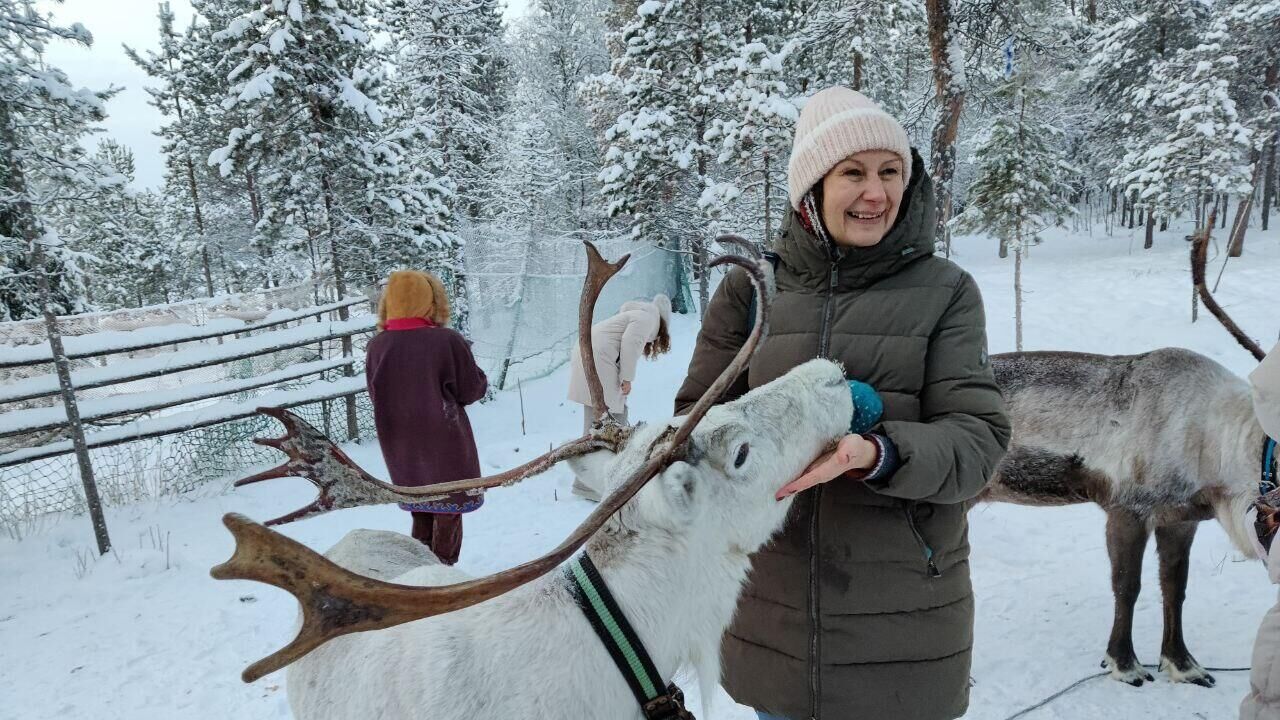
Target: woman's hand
{"x": 626, "y": 388}
{"x": 853, "y": 452}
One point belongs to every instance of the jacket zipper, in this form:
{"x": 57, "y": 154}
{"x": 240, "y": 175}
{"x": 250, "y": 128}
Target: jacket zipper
{"x": 815, "y": 635}
{"x": 930, "y": 566}
{"x": 815, "y": 680}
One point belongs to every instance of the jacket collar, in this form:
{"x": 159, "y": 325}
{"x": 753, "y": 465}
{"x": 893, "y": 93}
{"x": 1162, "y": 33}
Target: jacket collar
{"x": 809, "y": 257}
{"x": 408, "y": 323}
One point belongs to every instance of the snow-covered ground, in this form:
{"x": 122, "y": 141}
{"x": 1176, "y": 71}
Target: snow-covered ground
{"x": 144, "y": 633}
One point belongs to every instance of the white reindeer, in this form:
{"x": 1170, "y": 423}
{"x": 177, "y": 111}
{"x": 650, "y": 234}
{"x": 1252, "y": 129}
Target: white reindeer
{"x": 675, "y": 558}
{"x": 691, "y": 498}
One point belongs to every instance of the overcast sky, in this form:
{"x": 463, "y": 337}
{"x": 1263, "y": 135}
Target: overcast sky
{"x": 114, "y": 23}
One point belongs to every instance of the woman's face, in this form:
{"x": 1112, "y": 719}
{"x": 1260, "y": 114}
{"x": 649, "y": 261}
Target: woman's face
{"x": 861, "y": 196}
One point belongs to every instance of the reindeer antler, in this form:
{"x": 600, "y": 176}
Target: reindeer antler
{"x": 1199, "y": 257}
{"x": 344, "y": 484}
{"x": 336, "y": 602}
{"x": 747, "y": 247}
{"x": 599, "y": 272}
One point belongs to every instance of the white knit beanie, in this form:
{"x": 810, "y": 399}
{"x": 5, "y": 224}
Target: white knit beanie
{"x": 1265, "y": 380}
{"x": 833, "y": 125}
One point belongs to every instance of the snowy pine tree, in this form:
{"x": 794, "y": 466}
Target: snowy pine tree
{"x": 659, "y": 167}
{"x": 174, "y": 97}
{"x": 1254, "y": 40}
{"x": 450, "y": 85}
{"x": 755, "y": 139}
{"x": 551, "y": 52}
{"x": 307, "y": 89}
{"x": 1018, "y": 190}
{"x": 119, "y": 228}
{"x": 1124, "y": 58}
{"x": 871, "y": 46}
{"x": 44, "y": 171}
{"x": 1204, "y": 149}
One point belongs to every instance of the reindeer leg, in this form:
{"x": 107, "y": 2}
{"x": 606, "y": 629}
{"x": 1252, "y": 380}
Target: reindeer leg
{"x": 1126, "y": 540}
{"x": 1173, "y": 545}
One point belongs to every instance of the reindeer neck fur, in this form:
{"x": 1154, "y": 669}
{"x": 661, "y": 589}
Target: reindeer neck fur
{"x": 1239, "y": 464}
{"x": 677, "y": 595}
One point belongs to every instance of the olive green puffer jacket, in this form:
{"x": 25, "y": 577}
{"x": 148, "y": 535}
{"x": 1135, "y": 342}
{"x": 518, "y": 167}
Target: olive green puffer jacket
{"x": 861, "y": 608}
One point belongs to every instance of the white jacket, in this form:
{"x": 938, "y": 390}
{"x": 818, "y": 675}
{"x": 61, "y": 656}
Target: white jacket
{"x": 618, "y": 343}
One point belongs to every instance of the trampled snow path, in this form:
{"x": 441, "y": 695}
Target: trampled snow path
{"x": 148, "y": 635}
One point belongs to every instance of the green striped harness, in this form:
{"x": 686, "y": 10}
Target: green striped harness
{"x": 658, "y": 700}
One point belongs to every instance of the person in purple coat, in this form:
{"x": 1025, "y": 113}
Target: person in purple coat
{"x": 420, "y": 376}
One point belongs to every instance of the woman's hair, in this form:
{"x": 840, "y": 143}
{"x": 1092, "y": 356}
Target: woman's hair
{"x": 660, "y": 344}
{"x": 413, "y": 294}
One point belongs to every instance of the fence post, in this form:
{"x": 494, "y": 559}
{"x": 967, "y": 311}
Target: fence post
{"x": 63, "y": 367}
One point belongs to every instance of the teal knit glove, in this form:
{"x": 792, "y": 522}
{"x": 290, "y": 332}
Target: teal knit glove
{"x": 867, "y": 407}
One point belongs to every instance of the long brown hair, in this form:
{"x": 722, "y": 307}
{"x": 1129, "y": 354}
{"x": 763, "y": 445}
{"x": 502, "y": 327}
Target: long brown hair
{"x": 660, "y": 344}
{"x": 413, "y": 294}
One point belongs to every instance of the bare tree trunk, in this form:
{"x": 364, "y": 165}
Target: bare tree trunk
{"x": 199, "y": 218}
{"x": 1151, "y": 227}
{"x": 1091, "y": 11}
{"x": 194, "y": 190}
{"x": 951, "y": 96}
{"x": 1017, "y": 293}
{"x": 340, "y": 286}
{"x": 857, "y": 71}
{"x": 255, "y": 210}
{"x": 768, "y": 191}
{"x": 1269, "y": 179}
{"x": 704, "y": 287}
{"x": 208, "y": 273}
{"x": 1235, "y": 242}
{"x": 1264, "y": 162}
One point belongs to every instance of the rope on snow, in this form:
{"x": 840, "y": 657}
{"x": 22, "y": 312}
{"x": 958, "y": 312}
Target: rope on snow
{"x": 1095, "y": 676}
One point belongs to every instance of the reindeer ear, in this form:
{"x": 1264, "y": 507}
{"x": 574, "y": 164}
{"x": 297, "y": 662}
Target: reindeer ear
{"x": 680, "y": 490}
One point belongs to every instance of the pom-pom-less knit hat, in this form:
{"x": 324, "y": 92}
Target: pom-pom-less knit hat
{"x": 833, "y": 125}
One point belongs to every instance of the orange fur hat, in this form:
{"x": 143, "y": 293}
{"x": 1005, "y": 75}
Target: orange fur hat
{"x": 413, "y": 294}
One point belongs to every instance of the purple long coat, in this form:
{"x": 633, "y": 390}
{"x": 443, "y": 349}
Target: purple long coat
{"x": 419, "y": 381}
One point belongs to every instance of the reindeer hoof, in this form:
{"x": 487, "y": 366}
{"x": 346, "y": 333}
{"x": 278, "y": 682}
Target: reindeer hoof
{"x": 1129, "y": 671}
{"x": 1187, "y": 671}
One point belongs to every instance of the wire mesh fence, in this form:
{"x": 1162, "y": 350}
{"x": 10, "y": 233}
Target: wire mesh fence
{"x": 525, "y": 296}
{"x": 523, "y": 323}
{"x": 157, "y": 467}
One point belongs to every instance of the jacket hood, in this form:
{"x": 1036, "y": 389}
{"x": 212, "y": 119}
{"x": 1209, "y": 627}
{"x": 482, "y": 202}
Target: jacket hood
{"x": 911, "y": 238}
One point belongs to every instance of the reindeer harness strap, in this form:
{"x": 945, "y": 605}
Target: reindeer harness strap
{"x": 1268, "y": 481}
{"x": 657, "y": 700}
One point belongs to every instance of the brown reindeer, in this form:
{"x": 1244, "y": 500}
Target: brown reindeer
{"x": 1160, "y": 441}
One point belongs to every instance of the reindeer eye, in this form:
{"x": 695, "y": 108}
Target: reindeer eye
{"x": 743, "y": 449}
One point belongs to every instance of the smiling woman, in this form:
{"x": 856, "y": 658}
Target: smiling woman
{"x": 861, "y": 607}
